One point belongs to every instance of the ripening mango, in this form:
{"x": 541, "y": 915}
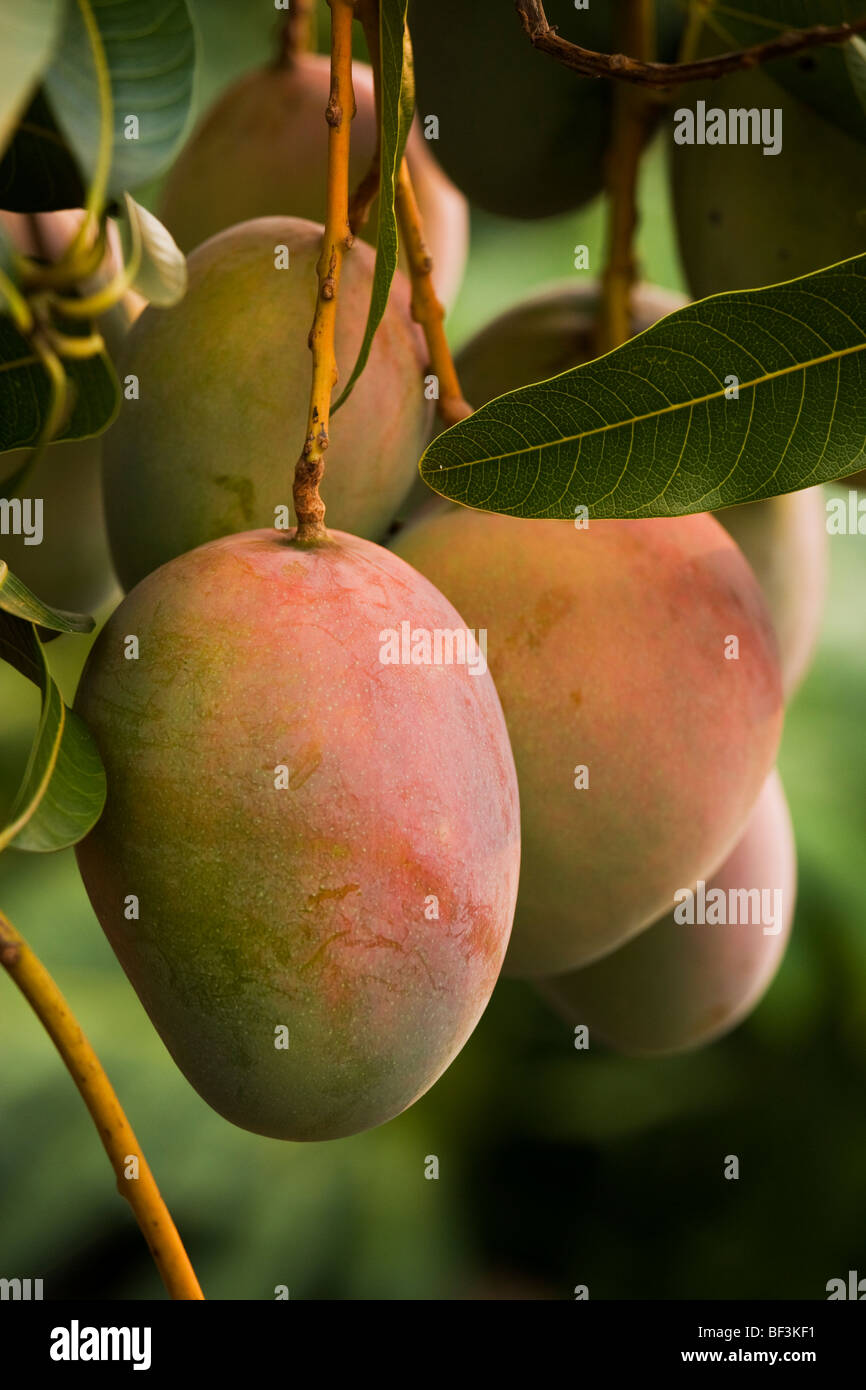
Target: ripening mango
{"x": 308, "y": 860}
{"x": 216, "y": 398}
{"x": 639, "y": 676}
{"x": 698, "y": 972}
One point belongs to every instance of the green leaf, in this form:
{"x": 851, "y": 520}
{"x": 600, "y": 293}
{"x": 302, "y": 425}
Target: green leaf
{"x": 19, "y": 647}
{"x": 27, "y": 36}
{"x": 25, "y": 390}
{"x": 17, "y": 599}
{"x": 398, "y": 105}
{"x": 648, "y": 431}
{"x": 819, "y": 76}
{"x": 38, "y": 172}
{"x": 149, "y": 52}
{"x": 162, "y": 274}
{"x": 63, "y": 789}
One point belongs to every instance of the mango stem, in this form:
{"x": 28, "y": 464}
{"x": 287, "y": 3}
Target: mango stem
{"x": 633, "y": 114}
{"x": 135, "y": 1181}
{"x": 426, "y": 307}
{"x": 336, "y": 241}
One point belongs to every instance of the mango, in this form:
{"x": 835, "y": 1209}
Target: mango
{"x": 209, "y": 445}
{"x": 308, "y": 860}
{"x": 785, "y": 541}
{"x": 261, "y": 150}
{"x": 746, "y": 219}
{"x": 639, "y": 676}
{"x": 549, "y": 332}
{"x": 683, "y": 983}
{"x": 520, "y": 135}
{"x": 783, "y": 538}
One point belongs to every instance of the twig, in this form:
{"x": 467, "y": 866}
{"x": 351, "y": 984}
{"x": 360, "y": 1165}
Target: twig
{"x": 650, "y": 74}
{"x": 296, "y": 32}
{"x": 633, "y": 119}
{"x": 426, "y": 308}
{"x": 114, "y": 1129}
{"x": 336, "y": 241}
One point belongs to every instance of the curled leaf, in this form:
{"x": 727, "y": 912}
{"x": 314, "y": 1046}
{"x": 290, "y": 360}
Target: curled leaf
{"x": 63, "y": 789}
{"x": 160, "y": 265}
{"x": 21, "y": 602}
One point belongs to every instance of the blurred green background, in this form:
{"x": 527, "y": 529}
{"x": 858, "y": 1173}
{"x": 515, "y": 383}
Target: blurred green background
{"x": 557, "y": 1167}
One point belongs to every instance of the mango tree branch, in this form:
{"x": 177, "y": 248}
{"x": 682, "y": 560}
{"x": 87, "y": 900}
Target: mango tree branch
{"x": 336, "y": 240}
{"x": 633, "y": 116}
{"x": 650, "y": 74}
{"x": 118, "y": 1139}
{"x": 426, "y": 308}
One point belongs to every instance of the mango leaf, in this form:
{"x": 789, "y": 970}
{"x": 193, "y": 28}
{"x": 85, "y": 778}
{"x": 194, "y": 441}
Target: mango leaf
{"x": 819, "y": 76}
{"x": 21, "y": 602}
{"x": 740, "y": 396}
{"x": 147, "y": 52}
{"x": 25, "y": 390}
{"x": 63, "y": 789}
{"x": 162, "y": 275}
{"x": 395, "y": 117}
{"x": 27, "y": 36}
{"x": 19, "y": 648}
{"x": 38, "y": 172}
